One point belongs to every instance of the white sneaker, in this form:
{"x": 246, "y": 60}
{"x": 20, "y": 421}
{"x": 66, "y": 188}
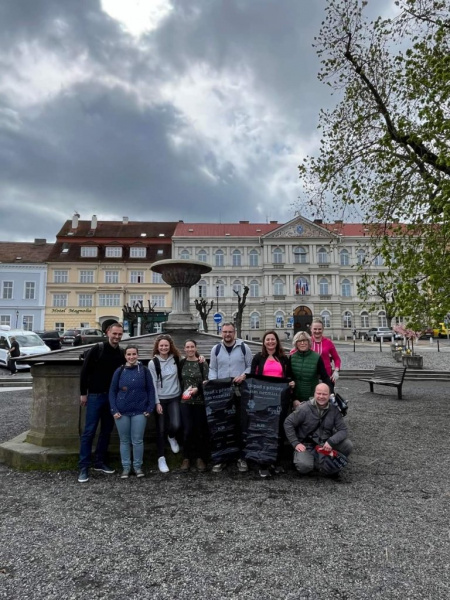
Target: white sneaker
{"x": 174, "y": 445}
{"x": 162, "y": 465}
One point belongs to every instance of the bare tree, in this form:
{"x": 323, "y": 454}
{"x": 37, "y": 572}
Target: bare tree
{"x": 241, "y": 305}
{"x": 203, "y": 310}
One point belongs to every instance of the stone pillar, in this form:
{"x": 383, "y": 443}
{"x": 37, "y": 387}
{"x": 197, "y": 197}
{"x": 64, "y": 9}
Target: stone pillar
{"x": 56, "y": 405}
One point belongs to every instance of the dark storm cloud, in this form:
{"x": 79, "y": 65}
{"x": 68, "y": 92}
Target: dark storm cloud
{"x": 108, "y": 142}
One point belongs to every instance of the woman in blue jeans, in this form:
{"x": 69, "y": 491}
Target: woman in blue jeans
{"x": 132, "y": 399}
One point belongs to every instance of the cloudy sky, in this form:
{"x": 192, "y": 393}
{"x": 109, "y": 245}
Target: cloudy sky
{"x": 161, "y": 110}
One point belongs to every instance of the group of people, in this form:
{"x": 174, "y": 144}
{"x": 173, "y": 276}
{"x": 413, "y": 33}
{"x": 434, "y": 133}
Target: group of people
{"x": 117, "y": 388}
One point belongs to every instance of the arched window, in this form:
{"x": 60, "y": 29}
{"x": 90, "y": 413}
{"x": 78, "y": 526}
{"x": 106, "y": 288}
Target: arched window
{"x": 322, "y": 256}
{"x": 254, "y": 320}
{"x": 378, "y": 261}
{"x": 382, "y": 319}
{"x": 361, "y": 257}
{"x": 279, "y": 320}
{"x": 237, "y": 287}
{"x": 278, "y": 256}
{"x": 344, "y": 258}
{"x": 202, "y": 256}
{"x": 326, "y": 318}
{"x": 184, "y": 255}
{"x": 300, "y": 255}
{"x": 323, "y": 286}
{"x": 302, "y": 287}
{"x": 346, "y": 288}
{"x": 347, "y": 320}
{"x": 220, "y": 288}
{"x": 254, "y": 289}
{"x": 236, "y": 258}
{"x": 278, "y": 287}
{"x": 364, "y": 319}
{"x": 219, "y": 258}
{"x": 254, "y": 258}
{"x": 202, "y": 289}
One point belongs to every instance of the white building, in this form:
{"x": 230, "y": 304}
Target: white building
{"x": 294, "y": 272}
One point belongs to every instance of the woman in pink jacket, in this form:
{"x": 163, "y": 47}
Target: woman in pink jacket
{"x": 326, "y": 349}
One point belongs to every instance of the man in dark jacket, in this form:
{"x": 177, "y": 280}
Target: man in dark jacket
{"x": 14, "y": 353}
{"x": 96, "y": 376}
{"x": 316, "y": 423}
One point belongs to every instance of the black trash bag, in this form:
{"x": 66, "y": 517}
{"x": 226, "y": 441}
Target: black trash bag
{"x": 265, "y": 403}
{"x": 221, "y": 415}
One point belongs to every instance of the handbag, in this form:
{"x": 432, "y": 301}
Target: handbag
{"x": 331, "y": 462}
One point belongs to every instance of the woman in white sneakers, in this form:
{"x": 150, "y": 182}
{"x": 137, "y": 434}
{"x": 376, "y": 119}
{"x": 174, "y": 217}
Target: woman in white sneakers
{"x": 165, "y": 373}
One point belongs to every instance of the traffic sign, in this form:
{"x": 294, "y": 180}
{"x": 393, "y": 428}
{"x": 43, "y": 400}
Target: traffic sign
{"x": 217, "y": 318}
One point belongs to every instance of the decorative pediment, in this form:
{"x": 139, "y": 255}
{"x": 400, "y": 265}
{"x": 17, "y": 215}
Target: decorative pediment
{"x": 300, "y": 228}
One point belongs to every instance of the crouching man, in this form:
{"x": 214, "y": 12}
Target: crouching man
{"x": 318, "y": 425}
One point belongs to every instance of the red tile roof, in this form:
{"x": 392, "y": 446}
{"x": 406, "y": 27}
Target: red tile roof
{"x": 25, "y": 252}
{"x": 117, "y": 229}
{"x": 222, "y": 229}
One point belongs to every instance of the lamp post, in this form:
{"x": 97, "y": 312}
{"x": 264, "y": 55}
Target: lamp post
{"x": 217, "y": 305}
{"x": 17, "y": 319}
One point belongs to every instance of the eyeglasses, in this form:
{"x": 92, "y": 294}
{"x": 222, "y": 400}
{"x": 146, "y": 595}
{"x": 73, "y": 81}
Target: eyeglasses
{"x": 302, "y": 342}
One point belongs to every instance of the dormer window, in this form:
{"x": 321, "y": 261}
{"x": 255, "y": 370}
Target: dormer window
{"x": 89, "y": 251}
{"x": 113, "y": 251}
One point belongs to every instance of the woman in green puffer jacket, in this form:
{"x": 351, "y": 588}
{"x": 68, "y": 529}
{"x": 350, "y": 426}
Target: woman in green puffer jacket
{"x": 307, "y": 368}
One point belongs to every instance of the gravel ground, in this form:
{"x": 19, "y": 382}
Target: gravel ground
{"x": 380, "y": 532}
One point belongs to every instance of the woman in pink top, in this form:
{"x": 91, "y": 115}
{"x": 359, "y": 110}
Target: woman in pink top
{"x": 326, "y": 349}
{"x": 272, "y": 362}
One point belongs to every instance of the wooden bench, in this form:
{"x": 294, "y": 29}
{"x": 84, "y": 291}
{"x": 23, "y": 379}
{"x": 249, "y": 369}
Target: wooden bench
{"x": 391, "y": 376}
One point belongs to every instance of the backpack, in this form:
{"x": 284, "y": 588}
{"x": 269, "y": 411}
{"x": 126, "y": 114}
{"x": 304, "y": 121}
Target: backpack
{"x": 158, "y": 368}
{"x": 101, "y": 349}
{"x": 219, "y": 346}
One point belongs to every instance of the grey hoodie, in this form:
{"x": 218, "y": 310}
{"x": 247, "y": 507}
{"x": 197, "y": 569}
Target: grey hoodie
{"x": 169, "y": 384}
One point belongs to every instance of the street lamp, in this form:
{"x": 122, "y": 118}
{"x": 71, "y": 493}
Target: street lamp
{"x": 17, "y": 319}
{"x": 217, "y": 305}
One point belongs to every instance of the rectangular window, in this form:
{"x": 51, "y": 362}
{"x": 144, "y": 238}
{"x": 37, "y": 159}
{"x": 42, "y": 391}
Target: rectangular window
{"x": 84, "y": 325}
{"x": 60, "y": 276}
{"x": 136, "y": 276}
{"x": 202, "y": 290}
{"x": 7, "y": 290}
{"x": 85, "y": 300}
{"x": 89, "y": 251}
{"x": 27, "y": 322}
{"x": 135, "y": 298}
{"x": 138, "y": 252}
{"x": 111, "y": 276}
{"x": 158, "y": 300}
{"x": 113, "y": 252}
{"x": 30, "y": 290}
{"x": 157, "y": 278}
{"x": 60, "y": 300}
{"x": 109, "y": 299}
{"x": 86, "y": 276}
{"x": 254, "y": 258}
{"x": 59, "y": 327}
{"x": 5, "y": 320}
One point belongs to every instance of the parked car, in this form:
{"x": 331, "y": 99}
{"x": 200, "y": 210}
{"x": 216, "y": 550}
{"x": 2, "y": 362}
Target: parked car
{"x": 442, "y": 331}
{"x": 68, "y": 336}
{"x": 89, "y": 336}
{"x": 378, "y": 333}
{"x": 29, "y": 343}
{"x": 51, "y": 338}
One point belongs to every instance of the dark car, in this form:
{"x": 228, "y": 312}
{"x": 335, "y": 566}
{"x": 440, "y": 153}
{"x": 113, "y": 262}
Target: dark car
{"x": 89, "y": 336}
{"x": 52, "y": 339}
{"x": 68, "y": 336}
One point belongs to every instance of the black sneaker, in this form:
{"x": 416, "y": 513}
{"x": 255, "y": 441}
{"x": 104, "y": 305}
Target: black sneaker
{"x": 83, "y": 475}
{"x": 264, "y": 473}
{"x": 104, "y": 469}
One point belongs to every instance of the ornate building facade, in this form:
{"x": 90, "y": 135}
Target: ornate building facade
{"x": 294, "y": 272}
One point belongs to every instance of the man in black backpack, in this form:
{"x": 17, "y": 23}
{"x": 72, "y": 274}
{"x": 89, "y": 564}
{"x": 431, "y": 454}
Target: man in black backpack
{"x": 96, "y": 375}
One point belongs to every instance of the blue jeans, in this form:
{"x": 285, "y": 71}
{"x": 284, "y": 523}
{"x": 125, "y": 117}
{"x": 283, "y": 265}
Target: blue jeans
{"x": 131, "y": 431}
{"x": 98, "y": 411}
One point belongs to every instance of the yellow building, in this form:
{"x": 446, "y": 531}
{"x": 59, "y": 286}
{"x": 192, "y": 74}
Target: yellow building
{"x": 98, "y": 267}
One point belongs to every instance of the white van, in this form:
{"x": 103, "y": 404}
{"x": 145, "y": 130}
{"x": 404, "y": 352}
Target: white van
{"x": 29, "y": 343}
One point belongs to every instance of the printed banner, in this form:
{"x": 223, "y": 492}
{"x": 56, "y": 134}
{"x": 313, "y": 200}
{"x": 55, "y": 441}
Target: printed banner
{"x": 221, "y": 415}
{"x": 265, "y": 402}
